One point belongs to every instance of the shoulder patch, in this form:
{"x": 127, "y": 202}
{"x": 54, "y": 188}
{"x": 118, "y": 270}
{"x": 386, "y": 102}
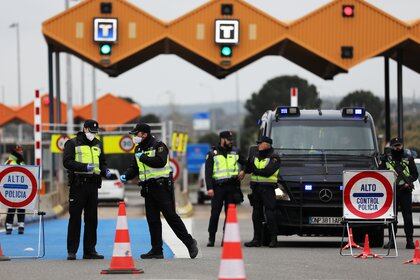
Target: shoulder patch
{"x": 215, "y": 152}
{"x": 160, "y": 149}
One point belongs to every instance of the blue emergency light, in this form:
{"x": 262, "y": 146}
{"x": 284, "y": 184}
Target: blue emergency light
{"x": 354, "y": 112}
{"x": 308, "y": 187}
{"x": 285, "y": 111}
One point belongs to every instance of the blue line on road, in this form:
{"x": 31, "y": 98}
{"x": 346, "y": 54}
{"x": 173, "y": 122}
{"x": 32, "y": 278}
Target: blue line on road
{"x": 15, "y": 186}
{"x": 368, "y": 195}
{"x": 56, "y": 240}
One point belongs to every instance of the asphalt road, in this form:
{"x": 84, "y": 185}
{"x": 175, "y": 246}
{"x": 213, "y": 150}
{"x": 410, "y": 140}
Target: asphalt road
{"x": 297, "y": 258}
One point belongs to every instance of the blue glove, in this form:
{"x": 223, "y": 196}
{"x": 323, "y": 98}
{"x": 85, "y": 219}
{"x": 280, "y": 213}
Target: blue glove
{"x": 108, "y": 173}
{"x": 138, "y": 155}
{"x": 123, "y": 179}
{"x": 90, "y": 167}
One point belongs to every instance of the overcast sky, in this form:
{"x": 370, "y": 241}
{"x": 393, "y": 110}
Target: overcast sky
{"x": 167, "y": 76}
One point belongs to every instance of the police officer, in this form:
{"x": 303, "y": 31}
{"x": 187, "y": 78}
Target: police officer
{"x": 223, "y": 176}
{"x": 84, "y": 159}
{"x": 15, "y": 158}
{"x": 407, "y": 174}
{"x": 264, "y": 167}
{"x": 151, "y": 165}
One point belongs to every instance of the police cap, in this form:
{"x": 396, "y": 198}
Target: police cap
{"x": 140, "y": 127}
{"x": 92, "y": 126}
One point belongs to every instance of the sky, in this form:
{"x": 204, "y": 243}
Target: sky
{"x": 168, "y": 78}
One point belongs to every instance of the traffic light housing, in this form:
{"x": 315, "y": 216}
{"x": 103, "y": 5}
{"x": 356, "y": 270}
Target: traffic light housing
{"x": 105, "y": 49}
{"x": 348, "y": 11}
{"x": 226, "y": 51}
{"x": 347, "y": 52}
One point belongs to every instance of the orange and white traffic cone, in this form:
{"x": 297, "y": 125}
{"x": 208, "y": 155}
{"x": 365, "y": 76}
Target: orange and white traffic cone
{"x": 122, "y": 260}
{"x": 351, "y": 242}
{"x": 232, "y": 263}
{"x": 366, "y": 251}
{"x": 3, "y": 257}
{"x": 416, "y": 257}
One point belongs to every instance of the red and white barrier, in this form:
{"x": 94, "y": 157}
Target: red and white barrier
{"x": 37, "y": 130}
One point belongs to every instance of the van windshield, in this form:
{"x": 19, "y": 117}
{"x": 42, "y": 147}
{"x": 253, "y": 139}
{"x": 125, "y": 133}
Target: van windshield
{"x": 323, "y": 137}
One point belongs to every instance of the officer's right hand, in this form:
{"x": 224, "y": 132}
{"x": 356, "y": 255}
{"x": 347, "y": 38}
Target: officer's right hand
{"x": 90, "y": 167}
{"x": 123, "y": 178}
{"x": 210, "y": 193}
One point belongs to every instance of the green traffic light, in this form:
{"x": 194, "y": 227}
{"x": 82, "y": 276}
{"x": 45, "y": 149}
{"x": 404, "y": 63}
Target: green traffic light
{"x": 105, "y": 49}
{"x": 226, "y": 51}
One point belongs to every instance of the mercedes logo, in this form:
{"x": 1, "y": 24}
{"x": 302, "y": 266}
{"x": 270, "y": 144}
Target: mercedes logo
{"x": 325, "y": 195}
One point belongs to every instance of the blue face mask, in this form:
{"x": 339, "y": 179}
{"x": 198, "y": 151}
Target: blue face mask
{"x": 137, "y": 139}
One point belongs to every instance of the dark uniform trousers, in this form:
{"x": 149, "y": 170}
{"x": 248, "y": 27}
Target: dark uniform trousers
{"x": 11, "y": 215}
{"x": 404, "y": 200}
{"x": 264, "y": 201}
{"x": 223, "y": 194}
{"x": 159, "y": 198}
{"x": 83, "y": 197}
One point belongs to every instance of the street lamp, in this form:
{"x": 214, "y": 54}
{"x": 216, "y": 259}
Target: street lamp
{"x": 16, "y": 25}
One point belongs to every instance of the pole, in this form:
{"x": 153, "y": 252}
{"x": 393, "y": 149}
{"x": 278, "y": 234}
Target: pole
{"x": 94, "y": 102}
{"x": 3, "y": 94}
{"x": 50, "y": 86}
{"x": 18, "y": 65}
{"x": 58, "y": 87}
{"x": 82, "y": 83}
{"x": 387, "y": 102}
{"x": 238, "y": 112}
{"x": 400, "y": 94}
{"x": 69, "y": 87}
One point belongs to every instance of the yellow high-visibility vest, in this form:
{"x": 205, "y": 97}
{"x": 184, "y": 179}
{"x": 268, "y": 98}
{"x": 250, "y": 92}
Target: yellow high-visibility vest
{"x": 261, "y": 164}
{"x": 146, "y": 172}
{"x": 225, "y": 167}
{"x": 88, "y": 155}
{"x": 390, "y": 165}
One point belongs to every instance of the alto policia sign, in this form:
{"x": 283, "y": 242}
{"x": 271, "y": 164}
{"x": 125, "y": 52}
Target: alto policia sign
{"x": 19, "y": 186}
{"x": 368, "y": 195}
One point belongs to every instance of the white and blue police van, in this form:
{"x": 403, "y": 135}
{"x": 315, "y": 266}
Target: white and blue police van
{"x": 315, "y": 147}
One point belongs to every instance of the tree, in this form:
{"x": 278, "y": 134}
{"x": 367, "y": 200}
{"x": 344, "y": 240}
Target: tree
{"x": 150, "y": 118}
{"x": 274, "y": 93}
{"x": 366, "y": 99}
{"x": 210, "y": 138}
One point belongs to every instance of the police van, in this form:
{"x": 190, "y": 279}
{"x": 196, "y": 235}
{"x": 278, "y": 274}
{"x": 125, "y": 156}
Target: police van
{"x": 315, "y": 147}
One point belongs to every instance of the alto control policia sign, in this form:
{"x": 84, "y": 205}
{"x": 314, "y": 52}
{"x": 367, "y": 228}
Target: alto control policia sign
{"x": 368, "y": 195}
{"x": 19, "y": 186}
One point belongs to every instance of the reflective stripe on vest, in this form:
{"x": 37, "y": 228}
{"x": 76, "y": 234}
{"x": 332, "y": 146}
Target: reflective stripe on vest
{"x": 146, "y": 172}
{"x": 225, "y": 167}
{"x": 261, "y": 164}
{"x": 86, "y": 154}
{"x": 12, "y": 160}
{"x": 390, "y": 165}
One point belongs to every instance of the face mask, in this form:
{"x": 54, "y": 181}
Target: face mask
{"x": 397, "y": 154}
{"x": 137, "y": 140}
{"x": 90, "y": 136}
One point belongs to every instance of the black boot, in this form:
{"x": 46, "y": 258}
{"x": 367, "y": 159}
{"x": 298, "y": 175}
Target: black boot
{"x": 253, "y": 243}
{"x": 152, "y": 255}
{"x": 193, "y": 249}
{"x": 273, "y": 242}
{"x": 410, "y": 243}
{"x": 92, "y": 256}
{"x": 212, "y": 238}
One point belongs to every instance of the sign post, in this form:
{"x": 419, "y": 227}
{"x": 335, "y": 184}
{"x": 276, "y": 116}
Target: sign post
{"x": 369, "y": 198}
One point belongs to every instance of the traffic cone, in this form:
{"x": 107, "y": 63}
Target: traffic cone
{"x": 3, "y": 257}
{"x": 232, "y": 263}
{"x": 366, "y": 251}
{"x": 416, "y": 257}
{"x": 122, "y": 260}
{"x": 351, "y": 242}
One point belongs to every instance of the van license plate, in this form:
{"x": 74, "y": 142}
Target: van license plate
{"x": 325, "y": 220}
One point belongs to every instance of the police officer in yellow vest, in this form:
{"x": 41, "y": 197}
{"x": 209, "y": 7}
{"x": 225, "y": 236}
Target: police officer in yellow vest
{"x": 223, "y": 175}
{"x": 151, "y": 165}
{"x": 15, "y": 158}
{"x": 85, "y": 162}
{"x": 264, "y": 167}
{"x": 407, "y": 174}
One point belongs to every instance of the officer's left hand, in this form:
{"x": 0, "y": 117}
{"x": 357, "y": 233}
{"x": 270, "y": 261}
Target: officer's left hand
{"x": 241, "y": 175}
{"x": 138, "y": 155}
{"x": 108, "y": 173}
